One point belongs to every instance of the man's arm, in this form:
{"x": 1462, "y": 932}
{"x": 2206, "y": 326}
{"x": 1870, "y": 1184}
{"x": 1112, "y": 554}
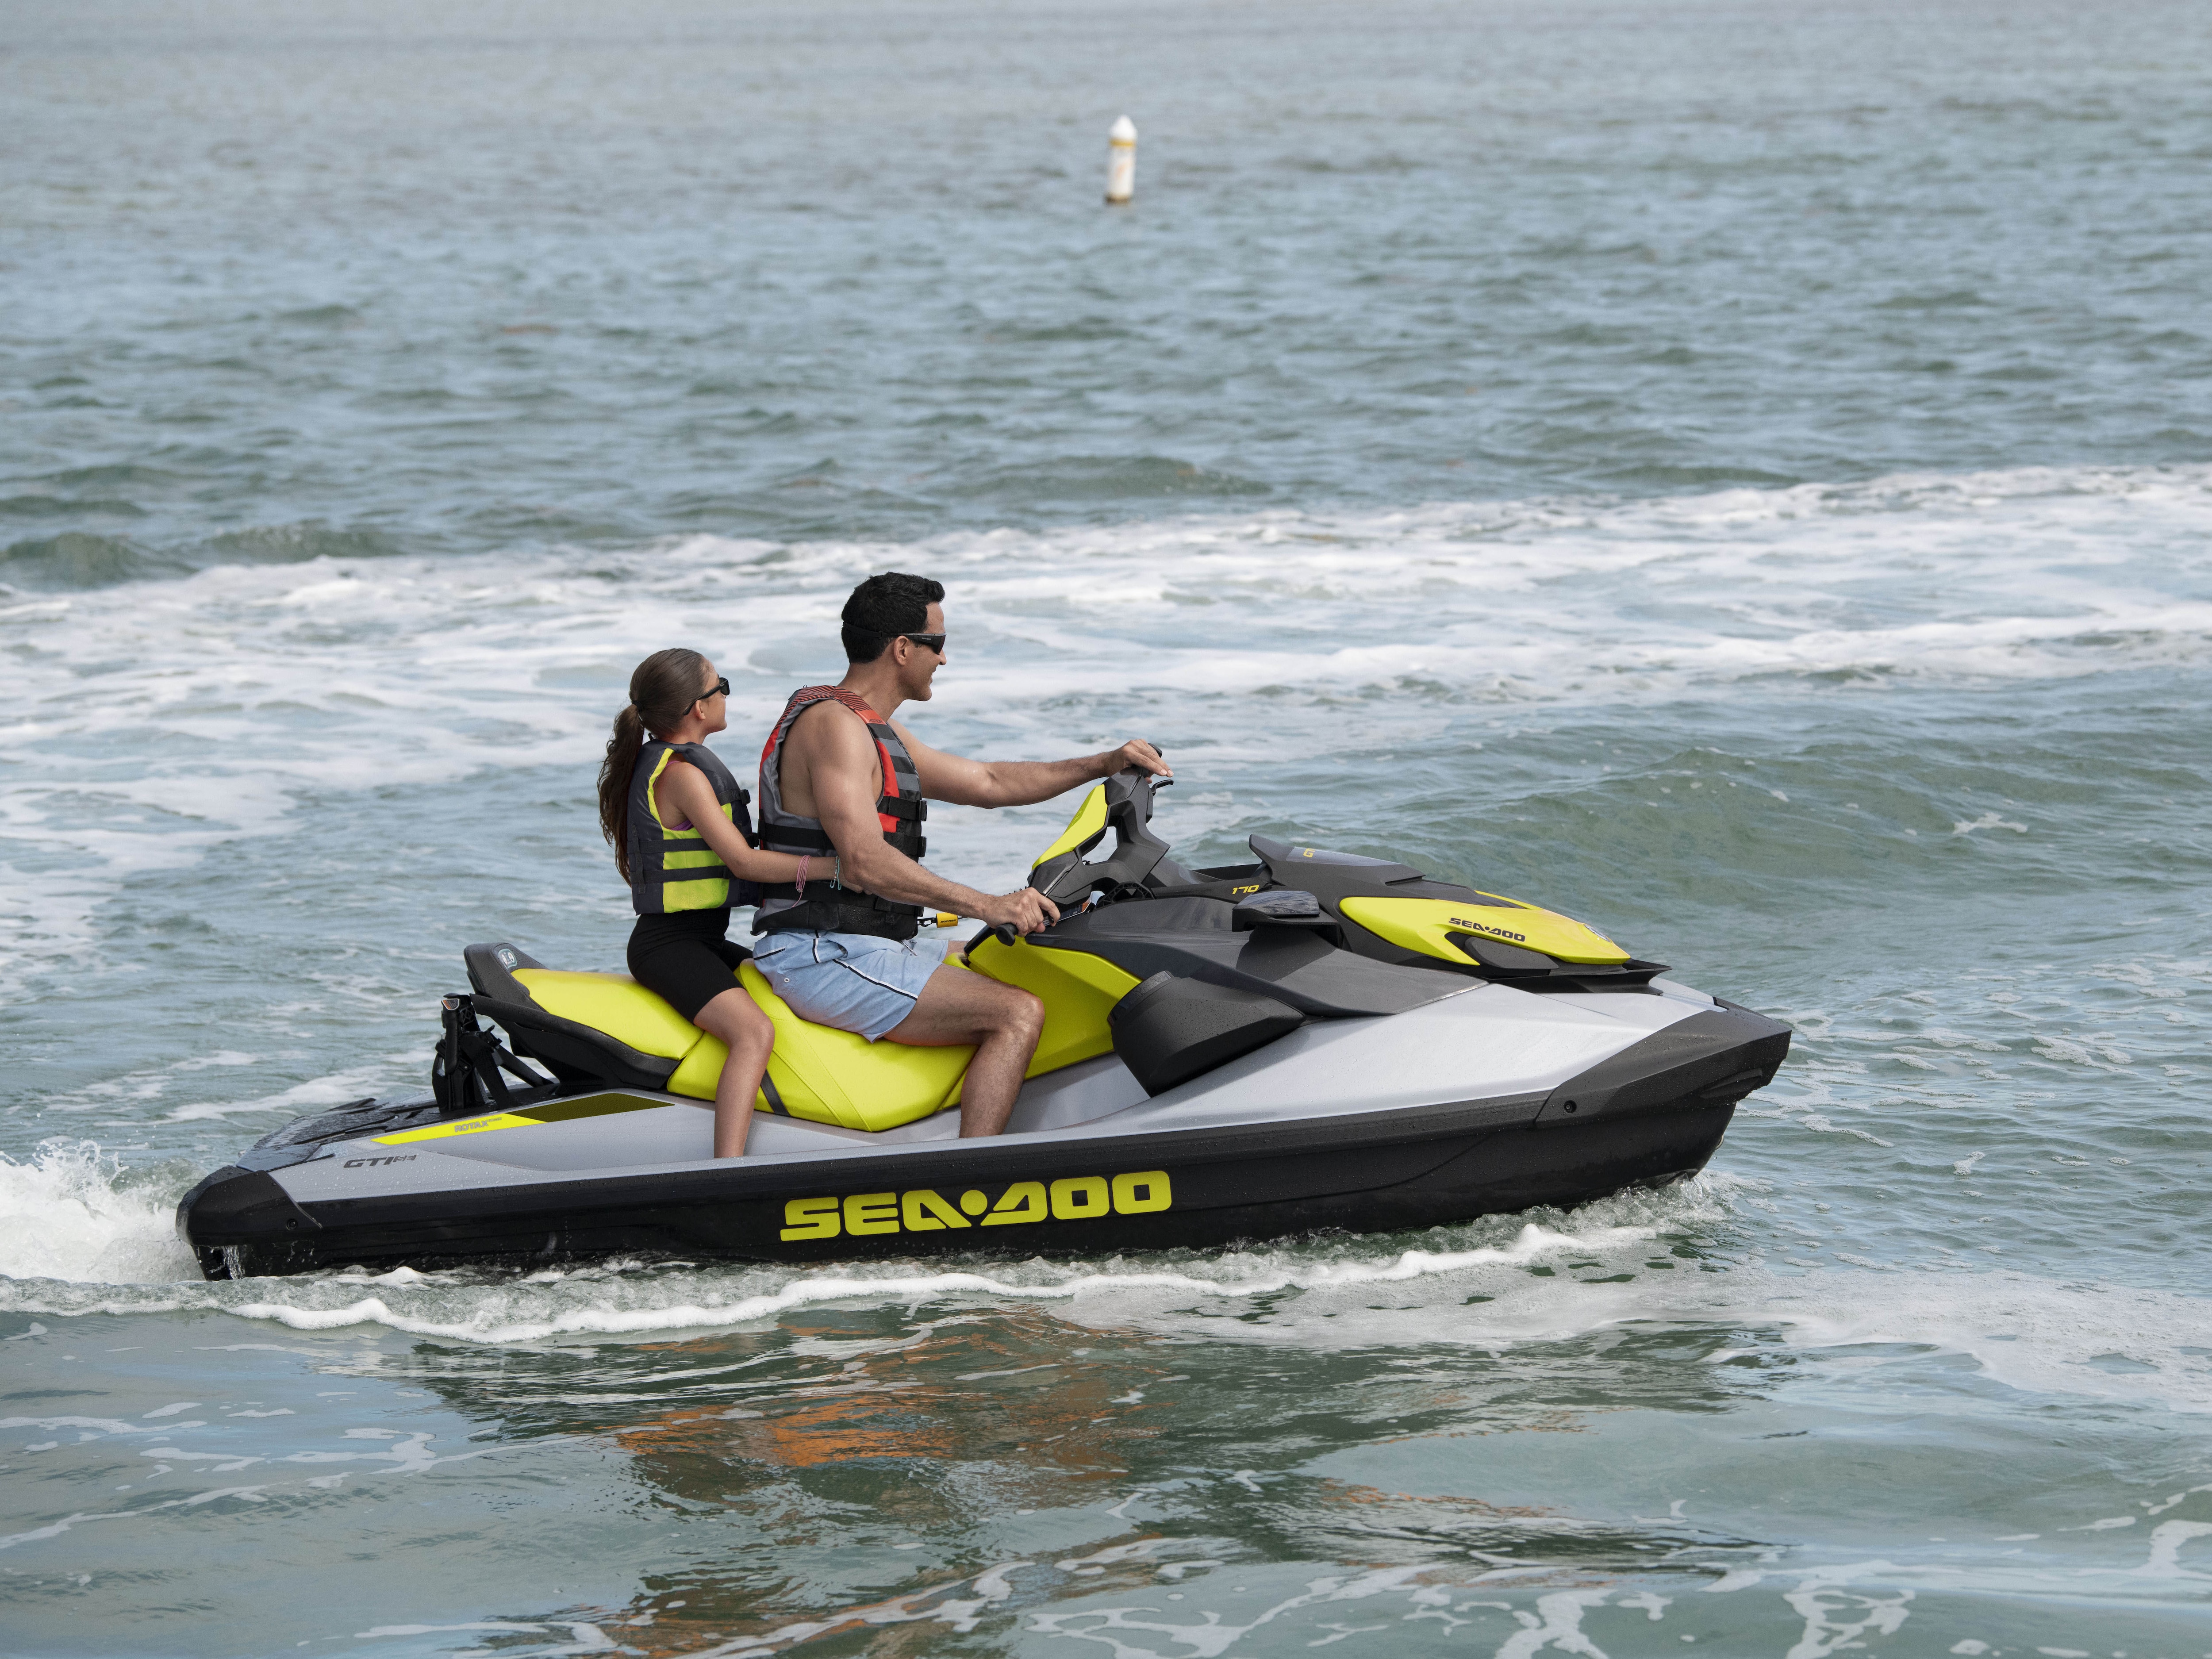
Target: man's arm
{"x": 848, "y": 779}
{"x": 964, "y": 782}
{"x": 685, "y": 786}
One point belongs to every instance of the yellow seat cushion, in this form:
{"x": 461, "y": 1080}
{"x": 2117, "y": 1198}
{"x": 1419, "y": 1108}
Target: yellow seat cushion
{"x": 837, "y": 1077}
{"x": 819, "y": 1072}
{"x": 615, "y": 1004}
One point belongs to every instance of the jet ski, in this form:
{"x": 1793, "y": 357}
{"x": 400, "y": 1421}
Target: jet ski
{"x": 1312, "y": 1040}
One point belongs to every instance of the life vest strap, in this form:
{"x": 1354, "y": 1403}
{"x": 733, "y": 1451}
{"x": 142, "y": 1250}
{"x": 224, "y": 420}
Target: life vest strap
{"x": 842, "y": 896}
{"x": 662, "y": 877}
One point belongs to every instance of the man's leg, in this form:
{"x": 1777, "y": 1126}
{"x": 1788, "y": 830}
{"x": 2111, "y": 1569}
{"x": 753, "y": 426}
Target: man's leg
{"x": 1002, "y": 1021}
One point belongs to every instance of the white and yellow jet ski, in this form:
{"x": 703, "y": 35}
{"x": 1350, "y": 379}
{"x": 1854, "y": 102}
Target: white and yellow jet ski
{"x": 1312, "y": 1040}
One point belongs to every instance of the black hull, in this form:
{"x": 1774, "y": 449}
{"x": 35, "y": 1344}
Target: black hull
{"x": 1379, "y": 1172}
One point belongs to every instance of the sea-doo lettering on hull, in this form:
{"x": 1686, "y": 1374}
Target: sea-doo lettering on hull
{"x": 924, "y": 1209}
{"x": 1485, "y": 927}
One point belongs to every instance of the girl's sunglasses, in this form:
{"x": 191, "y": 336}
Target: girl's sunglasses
{"x": 718, "y": 688}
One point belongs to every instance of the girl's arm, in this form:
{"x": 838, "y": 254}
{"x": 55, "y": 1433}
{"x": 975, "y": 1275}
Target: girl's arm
{"x": 684, "y": 787}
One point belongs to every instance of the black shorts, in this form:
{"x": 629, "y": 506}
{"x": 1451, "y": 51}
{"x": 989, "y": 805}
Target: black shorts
{"x": 684, "y": 957}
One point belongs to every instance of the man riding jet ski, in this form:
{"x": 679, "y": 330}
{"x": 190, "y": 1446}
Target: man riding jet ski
{"x": 841, "y": 782}
{"x": 1309, "y": 1040}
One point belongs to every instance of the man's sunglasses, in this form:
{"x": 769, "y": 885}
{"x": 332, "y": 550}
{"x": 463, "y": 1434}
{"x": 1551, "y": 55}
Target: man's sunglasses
{"x": 718, "y": 688}
{"x": 934, "y": 641}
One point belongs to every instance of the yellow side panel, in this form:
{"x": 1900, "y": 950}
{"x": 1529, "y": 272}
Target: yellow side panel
{"x": 615, "y": 1004}
{"x": 469, "y": 1126}
{"x": 1088, "y": 824}
{"x": 835, "y": 1077}
{"x": 1422, "y": 925}
{"x": 527, "y": 1117}
{"x": 1077, "y": 989}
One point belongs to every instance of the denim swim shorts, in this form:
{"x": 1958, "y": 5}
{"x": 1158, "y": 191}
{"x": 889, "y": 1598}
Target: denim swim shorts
{"x": 854, "y": 981}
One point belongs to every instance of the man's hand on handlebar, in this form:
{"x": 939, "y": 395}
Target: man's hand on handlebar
{"x": 1138, "y": 755}
{"x": 1024, "y": 909}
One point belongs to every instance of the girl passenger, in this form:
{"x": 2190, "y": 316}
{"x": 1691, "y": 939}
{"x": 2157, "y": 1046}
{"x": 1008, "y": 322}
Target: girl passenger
{"x": 682, "y": 830}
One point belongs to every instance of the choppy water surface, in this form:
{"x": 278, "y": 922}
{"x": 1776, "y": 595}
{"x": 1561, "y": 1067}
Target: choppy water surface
{"x": 1737, "y": 475}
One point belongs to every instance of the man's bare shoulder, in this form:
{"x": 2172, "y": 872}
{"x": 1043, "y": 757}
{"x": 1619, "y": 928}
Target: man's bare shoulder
{"x": 829, "y": 729}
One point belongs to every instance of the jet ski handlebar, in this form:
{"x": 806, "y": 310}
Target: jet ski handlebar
{"x": 1066, "y": 879}
{"x": 1126, "y": 797}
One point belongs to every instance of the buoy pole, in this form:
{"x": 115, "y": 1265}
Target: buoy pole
{"x": 1121, "y": 163}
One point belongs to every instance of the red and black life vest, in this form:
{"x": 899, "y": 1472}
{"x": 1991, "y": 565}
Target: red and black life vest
{"x": 827, "y": 906}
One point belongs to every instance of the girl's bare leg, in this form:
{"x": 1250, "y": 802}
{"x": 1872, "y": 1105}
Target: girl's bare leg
{"x": 738, "y": 1020}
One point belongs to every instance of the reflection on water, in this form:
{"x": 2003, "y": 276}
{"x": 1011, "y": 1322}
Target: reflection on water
{"x": 983, "y": 1470}
{"x": 1409, "y": 1457}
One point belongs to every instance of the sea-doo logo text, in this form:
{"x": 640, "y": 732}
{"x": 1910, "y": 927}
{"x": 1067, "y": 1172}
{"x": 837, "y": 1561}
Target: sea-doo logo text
{"x": 1077, "y": 1198}
{"x": 1485, "y": 927}
{"x": 371, "y": 1163}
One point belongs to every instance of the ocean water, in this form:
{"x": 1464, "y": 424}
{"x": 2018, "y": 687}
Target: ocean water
{"x": 1741, "y": 475}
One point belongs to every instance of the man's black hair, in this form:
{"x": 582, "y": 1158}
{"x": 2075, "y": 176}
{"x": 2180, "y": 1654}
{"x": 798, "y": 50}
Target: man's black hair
{"x": 884, "y": 607}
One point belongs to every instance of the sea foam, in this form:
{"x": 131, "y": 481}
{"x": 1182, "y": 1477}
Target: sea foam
{"x": 230, "y": 695}
{"x": 101, "y": 1243}
{"x": 73, "y": 1214}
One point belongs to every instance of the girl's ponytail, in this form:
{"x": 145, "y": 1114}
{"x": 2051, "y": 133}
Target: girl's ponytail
{"x": 614, "y": 783}
{"x": 662, "y": 689}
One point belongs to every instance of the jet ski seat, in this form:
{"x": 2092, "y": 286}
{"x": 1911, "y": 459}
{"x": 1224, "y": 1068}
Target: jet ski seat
{"x": 608, "y": 1028}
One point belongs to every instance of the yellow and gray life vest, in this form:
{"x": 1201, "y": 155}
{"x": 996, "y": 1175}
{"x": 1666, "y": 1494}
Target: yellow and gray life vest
{"x": 674, "y": 869}
{"x": 827, "y": 906}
